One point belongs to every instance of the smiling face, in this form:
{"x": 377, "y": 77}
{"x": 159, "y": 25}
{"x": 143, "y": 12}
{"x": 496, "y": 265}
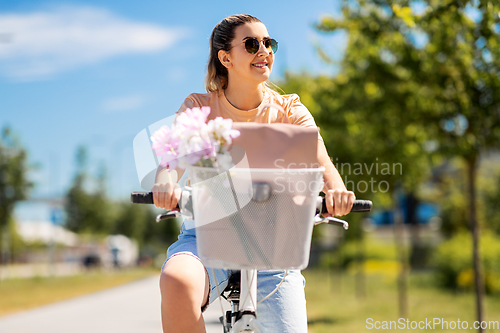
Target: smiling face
{"x": 243, "y": 65}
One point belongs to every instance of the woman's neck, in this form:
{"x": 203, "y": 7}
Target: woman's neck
{"x": 244, "y": 97}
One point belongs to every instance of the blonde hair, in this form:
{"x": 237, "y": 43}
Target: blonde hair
{"x": 221, "y": 38}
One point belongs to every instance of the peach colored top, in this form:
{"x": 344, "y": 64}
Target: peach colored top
{"x": 296, "y": 112}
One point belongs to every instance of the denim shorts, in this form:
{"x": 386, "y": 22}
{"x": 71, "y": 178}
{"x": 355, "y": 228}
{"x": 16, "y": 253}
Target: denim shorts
{"x": 284, "y": 311}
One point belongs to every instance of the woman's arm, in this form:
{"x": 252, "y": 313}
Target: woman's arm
{"x": 338, "y": 199}
{"x": 166, "y": 191}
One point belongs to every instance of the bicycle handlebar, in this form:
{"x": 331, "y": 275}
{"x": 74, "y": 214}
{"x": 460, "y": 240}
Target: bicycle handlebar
{"x": 359, "y": 206}
{"x": 142, "y": 197}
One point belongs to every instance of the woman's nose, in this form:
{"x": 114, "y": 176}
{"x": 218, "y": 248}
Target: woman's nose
{"x": 263, "y": 49}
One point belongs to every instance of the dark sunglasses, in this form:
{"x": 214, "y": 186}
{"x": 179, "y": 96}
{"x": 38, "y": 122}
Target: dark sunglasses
{"x": 252, "y": 45}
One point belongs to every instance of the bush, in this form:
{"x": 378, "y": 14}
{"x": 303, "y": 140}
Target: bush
{"x": 14, "y": 243}
{"x": 349, "y": 253}
{"x": 454, "y": 267}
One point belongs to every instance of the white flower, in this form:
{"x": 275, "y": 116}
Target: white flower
{"x": 225, "y": 161}
{"x": 221, "y": 130}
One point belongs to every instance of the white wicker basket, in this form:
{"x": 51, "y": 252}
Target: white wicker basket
{"x": 234, "y": 231}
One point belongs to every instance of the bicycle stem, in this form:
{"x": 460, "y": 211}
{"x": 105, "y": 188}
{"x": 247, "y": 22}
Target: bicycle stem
{"x": 248, "y": 290}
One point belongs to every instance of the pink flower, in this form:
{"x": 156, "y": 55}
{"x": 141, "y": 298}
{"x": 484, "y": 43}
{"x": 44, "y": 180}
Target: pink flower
{"x": 193, "y": 141}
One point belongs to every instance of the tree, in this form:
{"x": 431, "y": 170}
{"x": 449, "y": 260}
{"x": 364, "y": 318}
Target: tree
{"x": 489, "y": 186}
{"x": 87, "y": 211}
{"x": 434, "y": 73}
{"x": 14, "y": 185}
{"x": 362, "y": 113}
{"x": 131, "y": 221}
{"x": 139, "y": 222}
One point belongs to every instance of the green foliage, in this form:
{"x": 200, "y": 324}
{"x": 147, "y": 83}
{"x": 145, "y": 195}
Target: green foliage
{"x": 130, "y": 221}
{"x": 450, "y": 183}
{"x": 88, "y": 212}
{"x": 139, "y": 222}
{"x": 450, "y": 179}
{"x": 14, "y": 183}
{"x": 397, "y": 99}
{"x": 454, "y": 267}
{"x": 11, "y": 240}
{"x": 489, "y": 193}
{"x": 158, "y": 236}
{"x": 350, "y": 252}
{"x": 449, "y": 83}
{"x": 164, "y": 232}
{"x": 413, "y": 89}
{"x": 14, "y": 187}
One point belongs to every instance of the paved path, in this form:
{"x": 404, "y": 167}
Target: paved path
{"x": 131, "y": 308}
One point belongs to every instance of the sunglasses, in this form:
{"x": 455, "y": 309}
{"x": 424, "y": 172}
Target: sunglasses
{"x": 252, "y": 45}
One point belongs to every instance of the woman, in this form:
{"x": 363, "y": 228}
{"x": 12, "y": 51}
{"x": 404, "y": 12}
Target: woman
{"x": 241, "y": 60}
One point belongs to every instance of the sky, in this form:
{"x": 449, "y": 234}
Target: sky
{"x": 96, "y": 73}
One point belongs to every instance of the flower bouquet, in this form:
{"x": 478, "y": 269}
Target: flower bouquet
{"x": 203, "y": 148}
{"x": 192, "y": 141}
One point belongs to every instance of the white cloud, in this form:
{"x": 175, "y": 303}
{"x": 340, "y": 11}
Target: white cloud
{"x": 36, "y": 45}
{"x": 123, "y": 103}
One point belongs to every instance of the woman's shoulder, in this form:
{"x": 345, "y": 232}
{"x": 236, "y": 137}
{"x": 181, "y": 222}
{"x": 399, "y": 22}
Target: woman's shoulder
{"x": 288, "y": 100}
{"x": 202, "y": 99}
{"x": 290, "y": 103}
{"x": 199, "y": 99}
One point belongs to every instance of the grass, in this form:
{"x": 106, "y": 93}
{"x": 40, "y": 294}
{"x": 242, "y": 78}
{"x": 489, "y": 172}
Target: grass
{"x": 23, "y": 294}
{"x": 333, "y": 306}
{"x": 331, "y": 298}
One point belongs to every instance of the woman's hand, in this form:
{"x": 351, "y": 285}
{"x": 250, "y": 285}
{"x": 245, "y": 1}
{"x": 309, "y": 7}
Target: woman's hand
{"x": 338, "y": 202}
{"x": 166, "y": 195}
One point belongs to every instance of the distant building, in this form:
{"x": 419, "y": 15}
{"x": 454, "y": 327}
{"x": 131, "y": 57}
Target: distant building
{"x": 46, "y": 232}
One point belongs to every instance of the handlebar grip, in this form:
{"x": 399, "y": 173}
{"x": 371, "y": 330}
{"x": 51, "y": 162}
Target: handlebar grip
{"x": 359, "y": 206}
{"x": 142, "y": 197}
{"x": 147, "y": 198}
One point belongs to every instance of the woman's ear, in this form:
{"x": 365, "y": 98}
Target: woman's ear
{"x": 224, "y": 58}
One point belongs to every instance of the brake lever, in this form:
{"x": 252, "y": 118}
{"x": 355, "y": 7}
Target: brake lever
{"x": 318, "y": 219}
{"x": 331, "y": 220}
{"x": 185, "y": 207}
{"x": 168, "y": 215}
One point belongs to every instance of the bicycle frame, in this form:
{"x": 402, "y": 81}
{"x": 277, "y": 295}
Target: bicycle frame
{"x": 248, "y": 307}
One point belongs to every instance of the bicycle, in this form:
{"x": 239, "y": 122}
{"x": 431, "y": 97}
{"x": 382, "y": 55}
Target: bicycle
{"x": 258, "y": 195}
